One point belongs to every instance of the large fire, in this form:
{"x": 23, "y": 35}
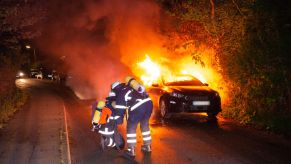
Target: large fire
{"x": 149, "y": 71}
{"x": 153, "y": 71}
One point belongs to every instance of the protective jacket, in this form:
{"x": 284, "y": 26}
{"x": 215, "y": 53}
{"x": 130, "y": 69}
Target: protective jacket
{"x": 139, "y": 107}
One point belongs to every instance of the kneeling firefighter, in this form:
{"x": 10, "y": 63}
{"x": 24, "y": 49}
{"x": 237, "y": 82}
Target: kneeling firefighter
{"x": 114, "y": 119}
{"x": 104, "y": 120}
{"x": 132, "y": 97}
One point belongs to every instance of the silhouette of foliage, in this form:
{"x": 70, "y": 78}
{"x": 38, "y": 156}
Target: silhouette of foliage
{"x": 251, "y": 39}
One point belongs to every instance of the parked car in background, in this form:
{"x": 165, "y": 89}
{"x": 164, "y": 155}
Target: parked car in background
{"x": 54, "y": 76}
{"x": 50, "y": 75}
{"x": 39, "y": 75}
{"x": 184, "y": 94}
{"x": 33, "y": 72}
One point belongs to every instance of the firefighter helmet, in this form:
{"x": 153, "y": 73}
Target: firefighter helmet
{"x": 111, "y": 97}
{"x": 115, "y": 84}
{"x": 100, "y": 104}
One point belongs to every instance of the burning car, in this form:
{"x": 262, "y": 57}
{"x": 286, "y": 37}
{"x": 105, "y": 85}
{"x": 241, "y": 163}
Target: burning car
{"x": 184, "y": 93}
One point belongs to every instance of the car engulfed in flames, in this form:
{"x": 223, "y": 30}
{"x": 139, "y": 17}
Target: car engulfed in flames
{"x": 185, "y": 94}
{"x": 176, "y": 93}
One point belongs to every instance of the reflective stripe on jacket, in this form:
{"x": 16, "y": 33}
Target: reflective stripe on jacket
{"x": 139, "y": 103}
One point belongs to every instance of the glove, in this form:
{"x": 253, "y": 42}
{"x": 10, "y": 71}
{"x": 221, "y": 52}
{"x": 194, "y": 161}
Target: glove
{"x": 95, "y": 127}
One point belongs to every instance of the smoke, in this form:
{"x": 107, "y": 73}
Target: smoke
{"x": 99, "y": 40}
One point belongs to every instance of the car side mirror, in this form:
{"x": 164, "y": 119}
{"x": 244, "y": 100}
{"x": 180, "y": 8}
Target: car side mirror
{"x": 206, "y": 84}
{"x": 155, "y": 85}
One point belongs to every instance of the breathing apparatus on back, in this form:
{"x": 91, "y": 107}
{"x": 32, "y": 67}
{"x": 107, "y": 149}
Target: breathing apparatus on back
{"x": 130, "y": 81}
{"x": 97, "y": 114}
{"x": 101, "y": 114}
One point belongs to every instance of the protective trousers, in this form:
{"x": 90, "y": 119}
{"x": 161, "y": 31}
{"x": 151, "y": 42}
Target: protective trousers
{"x": 110, "y": 134}
{"x": 140, "y": 115}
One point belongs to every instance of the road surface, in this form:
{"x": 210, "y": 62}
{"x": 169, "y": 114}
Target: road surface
{"x": 54, "y": 127}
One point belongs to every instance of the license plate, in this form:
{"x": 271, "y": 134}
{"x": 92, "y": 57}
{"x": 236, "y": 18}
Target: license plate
{"x": 201, "y": 103}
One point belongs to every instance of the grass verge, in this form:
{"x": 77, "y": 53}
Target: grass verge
{"x": 278, "y": 123}
{"x": 10, "y": 103}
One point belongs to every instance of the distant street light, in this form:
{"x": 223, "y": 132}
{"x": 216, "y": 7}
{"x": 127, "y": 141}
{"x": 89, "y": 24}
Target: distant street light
{"x": 34, "y": 55}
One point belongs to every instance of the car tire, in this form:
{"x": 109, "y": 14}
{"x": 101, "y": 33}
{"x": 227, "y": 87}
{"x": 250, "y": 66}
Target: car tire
{"x": 163, "y": 109}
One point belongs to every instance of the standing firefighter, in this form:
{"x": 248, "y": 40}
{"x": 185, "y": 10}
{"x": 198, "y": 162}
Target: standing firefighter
{"x": 132, "y": 97}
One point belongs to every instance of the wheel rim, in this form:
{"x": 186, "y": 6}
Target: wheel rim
{"x": 163, "y": 108}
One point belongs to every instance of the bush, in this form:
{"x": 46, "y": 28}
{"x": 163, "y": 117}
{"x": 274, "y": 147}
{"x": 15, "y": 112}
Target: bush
{"x": 10, "y": 103}
{"x": 252, "y": 43}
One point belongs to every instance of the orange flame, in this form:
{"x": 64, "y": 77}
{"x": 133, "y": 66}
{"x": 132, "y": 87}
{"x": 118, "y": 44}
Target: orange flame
{"x": 196, "y": 74}
{"x": 152, "y": 71}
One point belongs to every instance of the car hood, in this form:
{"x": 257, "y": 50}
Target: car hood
{"x": 191, "y": 89}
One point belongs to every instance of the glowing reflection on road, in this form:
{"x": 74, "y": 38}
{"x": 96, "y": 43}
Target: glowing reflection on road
{"x": 21, "y": 83}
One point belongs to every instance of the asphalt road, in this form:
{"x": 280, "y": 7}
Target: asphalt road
{"x": 54, "y": 127}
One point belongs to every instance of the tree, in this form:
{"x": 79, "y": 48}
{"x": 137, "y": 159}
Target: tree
{"x": 251, "y": 41}
{"x": 17, "y": 24}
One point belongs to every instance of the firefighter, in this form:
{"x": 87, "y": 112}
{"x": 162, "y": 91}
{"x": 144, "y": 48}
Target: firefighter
{"x": 132, "y": 98}
{"x": 99, "y": 121}
{"x": 111, "y": 103}
{"x": 114, "y": 120}
{"x": 120, "y": 107}
{"x": 104, "y": 121}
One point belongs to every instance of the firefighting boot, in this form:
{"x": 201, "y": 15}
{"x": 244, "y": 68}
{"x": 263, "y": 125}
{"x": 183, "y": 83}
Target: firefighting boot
{"x": 146, "y": 148}
{"x": 130, "y": 151}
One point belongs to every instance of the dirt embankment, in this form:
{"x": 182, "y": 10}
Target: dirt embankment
{"x": 11, "y": 99}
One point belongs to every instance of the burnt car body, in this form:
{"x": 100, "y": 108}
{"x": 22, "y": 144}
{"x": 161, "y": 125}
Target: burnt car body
{"x": 188, "y": 95}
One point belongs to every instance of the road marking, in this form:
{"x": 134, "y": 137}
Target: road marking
{"x": 67, "y": 136}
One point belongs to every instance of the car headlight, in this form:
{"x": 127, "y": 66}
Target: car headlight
{"x": 20, "y": 74}
{"x": 178, "y": 95}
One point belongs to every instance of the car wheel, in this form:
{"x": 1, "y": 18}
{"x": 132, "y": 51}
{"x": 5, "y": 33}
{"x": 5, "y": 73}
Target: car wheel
{"x": 163, "y": 108}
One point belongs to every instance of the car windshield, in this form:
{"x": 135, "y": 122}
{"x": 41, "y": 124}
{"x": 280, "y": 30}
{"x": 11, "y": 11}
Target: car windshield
{"x": 182, "y": 81}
